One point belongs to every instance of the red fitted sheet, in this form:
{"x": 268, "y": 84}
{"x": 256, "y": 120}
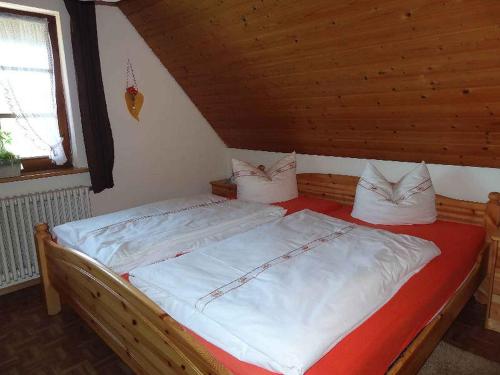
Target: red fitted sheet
{"x": 373, "y": 346}
{"x": 316, "y": 204}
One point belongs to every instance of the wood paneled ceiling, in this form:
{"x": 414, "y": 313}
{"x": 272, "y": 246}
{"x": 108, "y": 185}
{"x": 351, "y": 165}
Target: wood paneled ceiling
{"x": 389, "y": 79}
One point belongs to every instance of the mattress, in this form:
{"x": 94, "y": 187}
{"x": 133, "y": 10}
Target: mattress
{"x": 150, "y": 233}
{"x": 375, "y": 344}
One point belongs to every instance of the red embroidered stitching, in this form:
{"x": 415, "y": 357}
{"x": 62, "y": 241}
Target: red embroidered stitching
{"x": 284, "y": 168}
{"x": 246, "y": 173}
{"x": 202, "y": 302}
{"x": 420, "y": 188}
{"x": 371, "y": 187}
{"x": 207, "y": 204}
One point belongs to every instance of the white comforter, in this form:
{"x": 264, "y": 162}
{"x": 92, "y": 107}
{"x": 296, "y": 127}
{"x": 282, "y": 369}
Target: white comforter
{"x": 282, "y": 295}
{"x": 150, "y": 233}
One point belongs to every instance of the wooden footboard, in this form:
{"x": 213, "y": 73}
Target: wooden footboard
{"x": 138, "y": 330}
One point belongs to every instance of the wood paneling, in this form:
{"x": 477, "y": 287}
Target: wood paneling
{"x": 402, "y": 80}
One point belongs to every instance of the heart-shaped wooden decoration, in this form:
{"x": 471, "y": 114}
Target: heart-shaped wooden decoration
{"x": 134, "y": 103}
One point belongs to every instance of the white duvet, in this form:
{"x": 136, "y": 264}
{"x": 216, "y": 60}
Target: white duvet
{"x": 282, "y": 295}
{"x": 157, "y": 231}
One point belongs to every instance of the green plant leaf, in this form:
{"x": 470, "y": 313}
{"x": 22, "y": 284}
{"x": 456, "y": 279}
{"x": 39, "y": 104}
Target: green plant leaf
{"x": 5, "y": 138}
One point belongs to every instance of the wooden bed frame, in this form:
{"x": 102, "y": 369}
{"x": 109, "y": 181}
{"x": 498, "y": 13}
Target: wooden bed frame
{"x": 151, "y": 342}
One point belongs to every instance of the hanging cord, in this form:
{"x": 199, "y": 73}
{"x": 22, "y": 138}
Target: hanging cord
{"x": 130, "y": 76}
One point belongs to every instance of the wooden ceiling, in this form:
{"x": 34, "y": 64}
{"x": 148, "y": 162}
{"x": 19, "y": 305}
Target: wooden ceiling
{"x": 403, "y": 80}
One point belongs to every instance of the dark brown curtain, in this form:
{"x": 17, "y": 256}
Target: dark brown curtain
{"x": 95, "y": 122}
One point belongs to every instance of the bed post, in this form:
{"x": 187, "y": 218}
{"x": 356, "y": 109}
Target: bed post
{"x": 52, "y": 298}
{"x": 492, "y": 217}
{"x": 492, "y": 226}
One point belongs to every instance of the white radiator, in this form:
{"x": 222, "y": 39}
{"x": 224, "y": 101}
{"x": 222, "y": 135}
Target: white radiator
{"x": 18, "y": 217}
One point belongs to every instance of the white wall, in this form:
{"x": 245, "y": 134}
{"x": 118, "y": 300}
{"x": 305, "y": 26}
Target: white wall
{"x": 469, "y": 183}
{"x": 172, "y": 151}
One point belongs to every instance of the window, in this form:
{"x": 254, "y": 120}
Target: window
{"x": 32, "y": 106}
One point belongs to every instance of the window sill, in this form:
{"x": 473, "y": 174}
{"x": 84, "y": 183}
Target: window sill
{"x": 44, "y": 174}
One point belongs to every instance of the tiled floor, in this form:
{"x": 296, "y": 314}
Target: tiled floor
{"x": 33, "y": 343}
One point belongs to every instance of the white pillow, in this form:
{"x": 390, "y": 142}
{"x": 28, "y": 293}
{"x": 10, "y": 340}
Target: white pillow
{"x": 276, "y": 184}
{"x": 411, "y": 200}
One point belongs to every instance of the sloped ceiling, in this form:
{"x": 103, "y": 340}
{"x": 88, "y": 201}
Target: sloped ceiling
{"x": 388, "y": 79}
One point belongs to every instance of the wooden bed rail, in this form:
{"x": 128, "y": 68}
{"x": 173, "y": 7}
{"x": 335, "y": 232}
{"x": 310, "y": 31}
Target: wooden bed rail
{"x": 138, "y": 330}
{"x": 342, "y": 189}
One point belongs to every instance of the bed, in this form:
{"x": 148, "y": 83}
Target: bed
{"x": 150, "y": 341}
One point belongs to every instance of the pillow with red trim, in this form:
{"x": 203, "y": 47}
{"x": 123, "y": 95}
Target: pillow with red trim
{"x": 323, "y": 206}
{"x": 411, "y": 200}
{"x": 276, "y": 184}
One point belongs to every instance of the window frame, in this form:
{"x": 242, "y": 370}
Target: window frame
{"x": 34, "y": 164}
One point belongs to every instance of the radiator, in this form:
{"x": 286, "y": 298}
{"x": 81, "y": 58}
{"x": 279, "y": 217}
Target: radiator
{"x": 19, "y": 215}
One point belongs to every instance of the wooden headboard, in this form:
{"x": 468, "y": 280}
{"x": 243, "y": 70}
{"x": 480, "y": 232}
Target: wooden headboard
{"x": 342, "y": 189}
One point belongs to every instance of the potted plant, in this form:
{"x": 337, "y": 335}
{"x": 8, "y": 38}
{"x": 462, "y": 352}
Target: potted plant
{"x": 10, "y": 164}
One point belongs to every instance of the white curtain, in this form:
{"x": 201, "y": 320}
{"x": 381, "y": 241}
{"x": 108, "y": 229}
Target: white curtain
{"x": 27, "y": 87}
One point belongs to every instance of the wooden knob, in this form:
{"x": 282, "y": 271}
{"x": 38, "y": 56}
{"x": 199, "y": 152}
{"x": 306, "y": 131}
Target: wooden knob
{"x": 494, "y": 196}
{"x": 43, "y": 227}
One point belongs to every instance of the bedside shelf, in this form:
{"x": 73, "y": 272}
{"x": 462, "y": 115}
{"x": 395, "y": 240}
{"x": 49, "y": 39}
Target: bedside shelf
{"x": 224, "y": 188}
